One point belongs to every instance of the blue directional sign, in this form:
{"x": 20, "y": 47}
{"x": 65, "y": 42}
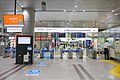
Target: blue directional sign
{"x": 33, "y": 73}
{"x": 41, "y": 64}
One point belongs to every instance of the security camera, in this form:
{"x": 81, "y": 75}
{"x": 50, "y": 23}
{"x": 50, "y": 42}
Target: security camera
{"x": 43, "y": 4}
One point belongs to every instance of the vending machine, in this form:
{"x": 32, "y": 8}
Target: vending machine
{"x": 24, "y": 49}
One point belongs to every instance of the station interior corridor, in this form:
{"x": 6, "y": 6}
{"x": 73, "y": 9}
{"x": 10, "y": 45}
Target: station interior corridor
{"x": 59, "y": 39}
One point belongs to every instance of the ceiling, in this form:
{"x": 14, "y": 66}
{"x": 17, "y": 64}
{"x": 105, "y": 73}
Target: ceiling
{"x": 98, "y": 13}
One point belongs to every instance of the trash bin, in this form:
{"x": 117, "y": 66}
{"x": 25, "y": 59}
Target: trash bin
{"x": 70, "y": 54}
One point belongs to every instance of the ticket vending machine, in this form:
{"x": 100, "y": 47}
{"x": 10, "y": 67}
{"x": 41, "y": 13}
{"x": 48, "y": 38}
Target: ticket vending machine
{"x": 24, "y": 49}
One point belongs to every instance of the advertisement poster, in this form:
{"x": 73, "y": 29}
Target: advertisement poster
{"x": 13, "y": 20}
{"x": 117, "y": 47}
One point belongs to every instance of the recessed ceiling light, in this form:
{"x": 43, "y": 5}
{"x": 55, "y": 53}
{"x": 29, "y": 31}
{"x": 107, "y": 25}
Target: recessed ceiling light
{"x": 83, "y": 10}
{"x": 44, "y": 22}
{"x": 21, "y": 6}
{"x": 64, "y": 10}
{"x": 74, "y": 22}
{"x": 63, "y": 22}
{"x": 113, "y": 10}
{"x": 116, "y": 14}
{"x": 75, "y": 6}
{"x": 16, "y": 10}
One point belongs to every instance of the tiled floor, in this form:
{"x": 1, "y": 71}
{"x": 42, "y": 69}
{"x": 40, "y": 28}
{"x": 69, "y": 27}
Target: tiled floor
{"x": 59, "y": 69}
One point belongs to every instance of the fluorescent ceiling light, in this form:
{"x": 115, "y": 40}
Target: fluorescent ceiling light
{"x": 75, "y": 6}
{"x": 83, "y": 10}
{"x": 64, "y": 10}
{"x": 113, "y": 10}
{"x": 116, "y": 14}
{"x": 16, "y": 10}
{"x": 22, "y": 6}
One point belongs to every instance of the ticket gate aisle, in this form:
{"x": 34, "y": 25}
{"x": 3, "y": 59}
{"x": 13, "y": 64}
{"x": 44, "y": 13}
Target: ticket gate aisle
{"x": 70, "y": 53}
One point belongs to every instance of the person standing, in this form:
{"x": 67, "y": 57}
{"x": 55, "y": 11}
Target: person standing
{"x": 106, "y": 50}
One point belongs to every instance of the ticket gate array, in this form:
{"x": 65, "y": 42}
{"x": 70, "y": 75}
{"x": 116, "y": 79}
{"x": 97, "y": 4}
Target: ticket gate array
{"x": 78, "y": 51}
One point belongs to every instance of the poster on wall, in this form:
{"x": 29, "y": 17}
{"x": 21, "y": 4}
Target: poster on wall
{"x": 100, "y": 44}
{"x": 117, "y": 47}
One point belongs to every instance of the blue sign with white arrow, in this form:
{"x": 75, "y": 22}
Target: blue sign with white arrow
{"x": 33, "y": 73}
{"x": 41, "y": 64}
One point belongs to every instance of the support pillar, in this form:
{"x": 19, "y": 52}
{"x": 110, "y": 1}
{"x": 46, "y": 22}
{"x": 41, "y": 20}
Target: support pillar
{"x": 28, "y": 29}
{"x": 29, "y": 21}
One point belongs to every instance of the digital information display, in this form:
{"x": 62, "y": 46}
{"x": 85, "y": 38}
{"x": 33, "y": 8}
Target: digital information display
{"x": 23, "y": 40}
{"x": 78, "y": 35}
{"x": 61, "y": 35}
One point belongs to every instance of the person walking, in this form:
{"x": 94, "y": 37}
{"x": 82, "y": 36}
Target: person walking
{"x": 106, "y": 50}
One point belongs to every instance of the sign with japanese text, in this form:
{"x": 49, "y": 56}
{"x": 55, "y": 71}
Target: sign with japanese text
{"x": 13, "y": 20}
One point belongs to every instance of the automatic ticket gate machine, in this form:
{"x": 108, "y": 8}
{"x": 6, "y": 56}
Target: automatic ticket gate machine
{"x": 24, "y": 49}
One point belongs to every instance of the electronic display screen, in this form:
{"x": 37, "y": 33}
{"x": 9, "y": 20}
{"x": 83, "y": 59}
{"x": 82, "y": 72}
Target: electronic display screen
{"x": 53, "y": 35}
{"x": 24, "y": 40}
{"x": 61, "y": 35}
{"x": 80, "y": 35}
{"x": 73, "y": 35}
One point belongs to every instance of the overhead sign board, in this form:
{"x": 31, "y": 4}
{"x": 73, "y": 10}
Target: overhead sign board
{"x": 14, "y": 29}
{"x": 13, "y": 20}
{"x": 39, "y": 29}
{"x": 62, "y": 30}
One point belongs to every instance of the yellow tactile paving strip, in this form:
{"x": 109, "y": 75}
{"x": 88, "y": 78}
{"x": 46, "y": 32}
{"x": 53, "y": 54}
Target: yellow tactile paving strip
{"x": 116, "y": 70}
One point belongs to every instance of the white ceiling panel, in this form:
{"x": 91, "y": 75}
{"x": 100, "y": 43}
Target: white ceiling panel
{"x": 96, "y": 11}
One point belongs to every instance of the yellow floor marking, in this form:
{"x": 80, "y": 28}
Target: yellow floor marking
{"x": 110, "y": 61}
{"x": 116, "y": 70}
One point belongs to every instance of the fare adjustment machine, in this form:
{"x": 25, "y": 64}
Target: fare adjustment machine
{"x": 24, "y": 49}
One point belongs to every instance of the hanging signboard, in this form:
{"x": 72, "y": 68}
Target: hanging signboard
{"x": 13, "y": 20}
{"x": 41, "y": 29}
